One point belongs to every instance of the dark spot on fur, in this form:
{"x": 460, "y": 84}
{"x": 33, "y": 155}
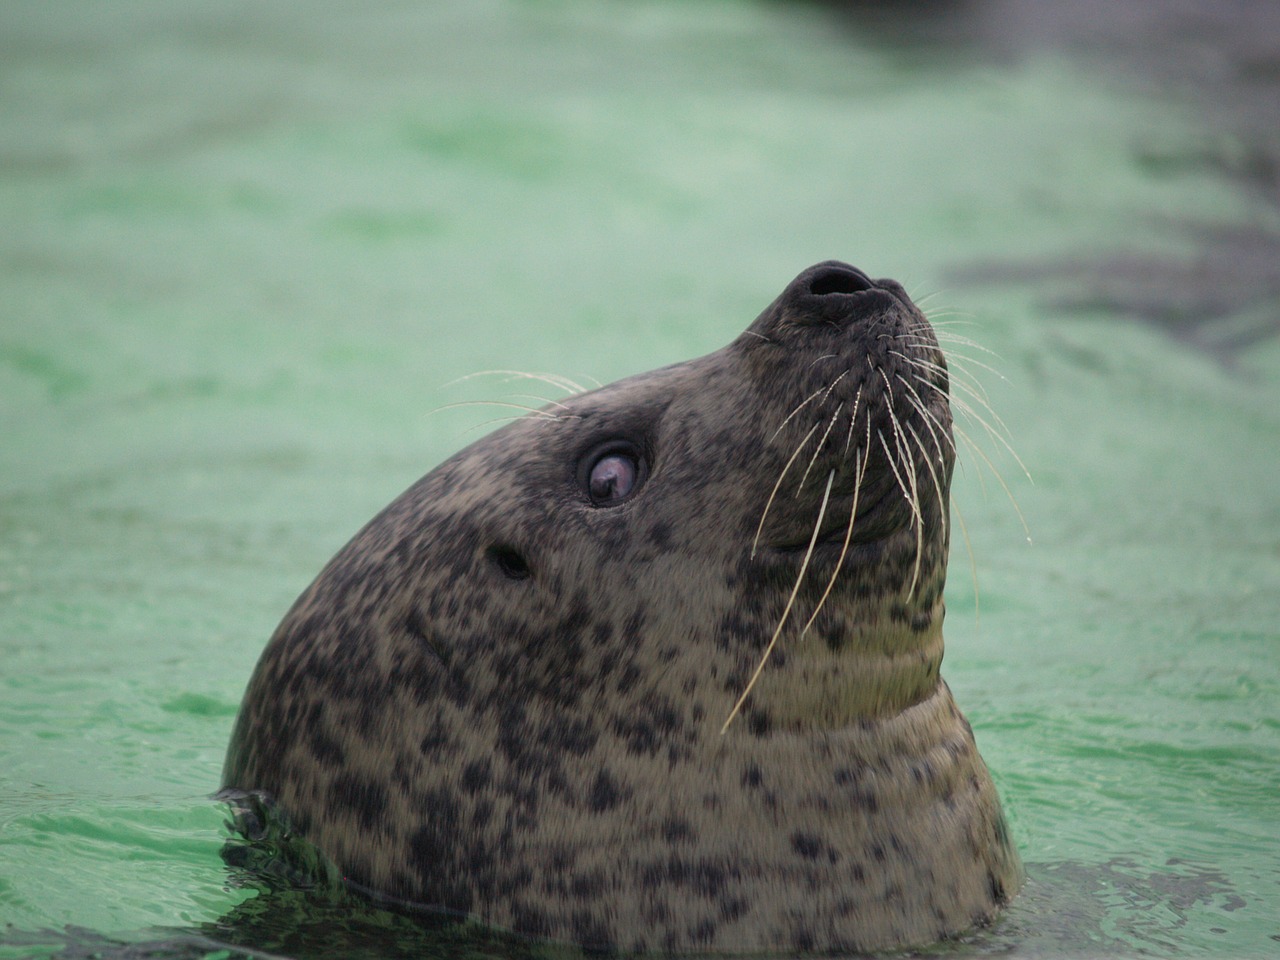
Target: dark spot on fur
{"x": 654, "y": 722}
{"x": 590, "y": 931}
{"x": 575, "y": 736}
{"x": 731, "y": 908}
{"x": 802, "y": 940}
{"x": 759, "y": 722}
{"x": 752, "y": 777}
{"x": 476, "y": 776}
{"x": 530, "y": 919}
{"x": 435, "y": 741}
{"x": 605, "y": 793}
{"x": 516, "y": 882}
{"x": 365, "y": 798}
{"x": 660, "y": 535}
{"x": 587, "y": 886}
{"x": 703, "y": 933}
{"x": 435, "y": 856}
{"x": 634, "y": 625}
{"x": 628, "y": 678}
{"x": 675, "y": 829}
{"x": 481, "y": 814}
{"x": 808, "y": 845}
{"x": 704, "y": 876}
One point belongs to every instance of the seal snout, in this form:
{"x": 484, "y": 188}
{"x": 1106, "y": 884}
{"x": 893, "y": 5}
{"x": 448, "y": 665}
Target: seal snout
{"x": 832, "y": 292}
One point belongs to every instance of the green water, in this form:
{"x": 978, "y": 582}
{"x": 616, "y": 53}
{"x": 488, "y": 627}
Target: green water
{"x": 246, "y": 250}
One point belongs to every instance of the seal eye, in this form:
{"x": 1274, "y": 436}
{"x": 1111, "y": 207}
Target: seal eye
{"x": 612, "y": 478}
{"x": 612, "y": 472}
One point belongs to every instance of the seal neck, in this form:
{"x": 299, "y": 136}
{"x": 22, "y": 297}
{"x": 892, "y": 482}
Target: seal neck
{"x": 841, "y": 674}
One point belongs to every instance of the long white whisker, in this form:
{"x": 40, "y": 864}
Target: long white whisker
{"x": 803, "y": 403}
{"x": 933, "y": 473}
{"x": 999, "y": 479}
{"x": 950, "y": 337}
{"x": 859, "y": 469}
{"x": 818, "y": 449}
{"x": 971, "y": 414}
{"x": 536, "y": 411}
{"x": 930, "y": 418}
{"x": 545, "y": 400}
{"x": 908, "y": 494}
{"x": 786, "y": 612}
{"x": 853, "y": 419}
{"x": 551, "y": 379}
{"x": 774, "y": 492}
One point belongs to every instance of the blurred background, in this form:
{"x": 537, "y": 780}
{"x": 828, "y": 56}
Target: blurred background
{"x": 247, "y": 250}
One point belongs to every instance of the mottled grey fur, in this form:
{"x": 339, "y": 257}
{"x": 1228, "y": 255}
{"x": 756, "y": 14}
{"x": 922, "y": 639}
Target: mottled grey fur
{"x": 505, "y": 700}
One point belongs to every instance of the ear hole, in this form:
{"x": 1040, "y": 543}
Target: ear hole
{"x": 509, "y": 561}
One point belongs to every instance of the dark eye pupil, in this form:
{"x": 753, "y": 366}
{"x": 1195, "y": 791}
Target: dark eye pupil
{"x": 612, "y": 478}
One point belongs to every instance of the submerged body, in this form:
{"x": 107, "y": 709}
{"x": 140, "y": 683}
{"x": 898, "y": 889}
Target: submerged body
{"x": 657, "y": 667}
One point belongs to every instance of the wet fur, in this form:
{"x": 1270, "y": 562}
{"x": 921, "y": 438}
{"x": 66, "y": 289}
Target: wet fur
{"x": 601, "y": 724}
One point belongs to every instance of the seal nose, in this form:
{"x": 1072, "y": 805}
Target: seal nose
{"x": 833, "y": 278}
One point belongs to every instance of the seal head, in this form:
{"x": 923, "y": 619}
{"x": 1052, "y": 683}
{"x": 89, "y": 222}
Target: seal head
{"x": 656, "y": 668}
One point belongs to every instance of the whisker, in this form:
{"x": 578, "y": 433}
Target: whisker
{"x": 946, "y": 336}
{"x": 900, "y": 443}
{"x": 930, "y": 418}
{"x": 853, "y": 420}
{"x": 859, "y": 470}
{"x": 774, "y": 492}
{"x": 786, "y": 612}
{"x": 554, "y": 380}
{"x": 933, "y": 473}
{"x": 962, "y": 362}
{"x": 908, "y": 495}
{"x": 803, "y": 403}
{"x": 490, "y": 422}
{"x": 818, "y": 449}
{"x": 544, "y": 400}
{"x": 969, "y": 413}
{"x": 999, "y": 479}
{"x": 994, "y": 434}
{"x": 960, "y": 377}
{"x": 537, "y": 412}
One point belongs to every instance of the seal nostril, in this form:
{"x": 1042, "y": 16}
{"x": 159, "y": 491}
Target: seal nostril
{"x": 510, "y": 562}
{"x": 838, "y": 281}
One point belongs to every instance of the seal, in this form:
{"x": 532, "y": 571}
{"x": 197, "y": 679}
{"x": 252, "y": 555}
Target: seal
{"x": 657, "y": 667}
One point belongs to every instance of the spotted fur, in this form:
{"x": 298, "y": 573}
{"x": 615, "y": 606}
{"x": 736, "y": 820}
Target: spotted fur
{"x": 505, "y": 700}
